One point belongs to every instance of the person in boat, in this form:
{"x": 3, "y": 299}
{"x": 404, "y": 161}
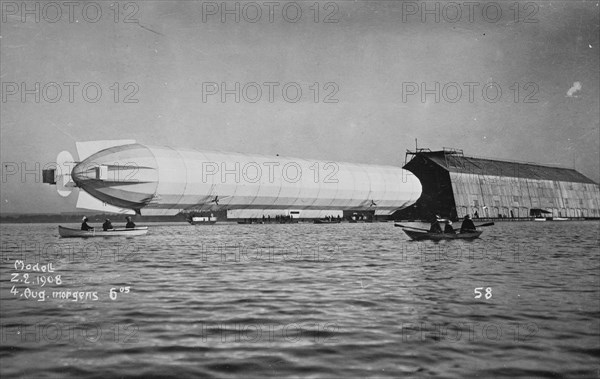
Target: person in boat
{"x": 107, "y": 225}
{"x": 84, "y": 224}
{"x": 435, "y": 225}
{"x": 448, "y": 229}
{"x": 130, "y": 224}
{"x": 467, "y": 225}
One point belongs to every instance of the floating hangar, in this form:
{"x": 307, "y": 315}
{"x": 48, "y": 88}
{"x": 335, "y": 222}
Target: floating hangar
{"x": 455, "y": 185}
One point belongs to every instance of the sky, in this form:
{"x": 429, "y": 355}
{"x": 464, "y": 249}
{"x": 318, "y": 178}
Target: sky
{"x": 362, "y": 79}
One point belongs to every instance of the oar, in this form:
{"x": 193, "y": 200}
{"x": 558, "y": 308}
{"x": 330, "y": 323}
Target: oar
{"x": 410, "y": 227}
{"x": 488, "y": 224}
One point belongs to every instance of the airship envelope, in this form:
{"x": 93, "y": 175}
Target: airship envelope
{"x": 129, "y": 176}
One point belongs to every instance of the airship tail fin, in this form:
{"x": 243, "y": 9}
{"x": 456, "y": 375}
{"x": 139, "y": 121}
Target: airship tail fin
{"x": 86, "y": 201}
{"x": 85, "y": 149}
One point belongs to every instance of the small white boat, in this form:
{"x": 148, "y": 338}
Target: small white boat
{"x": 72, "y": 233}
{"x": 539, "y": 219}
{"x": 199, "y": 220}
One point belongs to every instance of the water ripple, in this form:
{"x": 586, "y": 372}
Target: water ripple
{"x": 345, "y": 300}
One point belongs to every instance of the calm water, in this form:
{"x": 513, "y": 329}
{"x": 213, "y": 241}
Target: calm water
{"x": 344, "y": 300}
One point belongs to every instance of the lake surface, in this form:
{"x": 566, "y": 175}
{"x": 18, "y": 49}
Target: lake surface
{"x": 340, "y": 300}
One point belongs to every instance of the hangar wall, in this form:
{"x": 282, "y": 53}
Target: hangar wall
{"x": 495, "y": 196}
{"x": 455, "y": 185}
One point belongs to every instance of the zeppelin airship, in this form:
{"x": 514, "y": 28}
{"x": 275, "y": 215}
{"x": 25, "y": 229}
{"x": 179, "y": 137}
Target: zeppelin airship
{"x": 131, "y": 178}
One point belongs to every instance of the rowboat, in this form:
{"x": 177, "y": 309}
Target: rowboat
{"x": 72, "y": 233}
{"x": 418, "y": 235}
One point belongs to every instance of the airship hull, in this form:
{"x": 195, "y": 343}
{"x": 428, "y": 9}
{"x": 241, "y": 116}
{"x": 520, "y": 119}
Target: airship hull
{"x": 165, "y": 180}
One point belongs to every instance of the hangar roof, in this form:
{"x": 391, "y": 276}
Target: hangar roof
{"x": 454, "y": 161}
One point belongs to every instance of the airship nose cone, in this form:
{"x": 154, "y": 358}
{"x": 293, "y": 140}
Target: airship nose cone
{"x": 124, "y": 176}
{"x": 84, "y": 172}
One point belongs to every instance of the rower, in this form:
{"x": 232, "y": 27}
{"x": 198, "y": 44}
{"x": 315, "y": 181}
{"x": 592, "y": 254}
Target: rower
{"x": 467, "y": 225}
{"x": 448, "y": 229}
{"x": 84, "y": 224}
{"x": 435, "y": 225}
{"x": 107, "y": 225}
{"x": 130, "y": 224}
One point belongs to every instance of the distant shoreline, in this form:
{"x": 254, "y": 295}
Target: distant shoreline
{"x": 182, "y": 218}
{"x": 76, "y": 218}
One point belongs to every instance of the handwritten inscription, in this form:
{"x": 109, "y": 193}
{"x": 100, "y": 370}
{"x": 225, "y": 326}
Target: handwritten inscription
{"x": 21, "y": 266}
{"x": 31, "y": 279}
{"x": 478, "y": 294}
{"x": 40, "y": 280}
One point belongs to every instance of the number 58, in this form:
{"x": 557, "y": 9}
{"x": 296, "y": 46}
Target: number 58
{"x": 478, "y": 294}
